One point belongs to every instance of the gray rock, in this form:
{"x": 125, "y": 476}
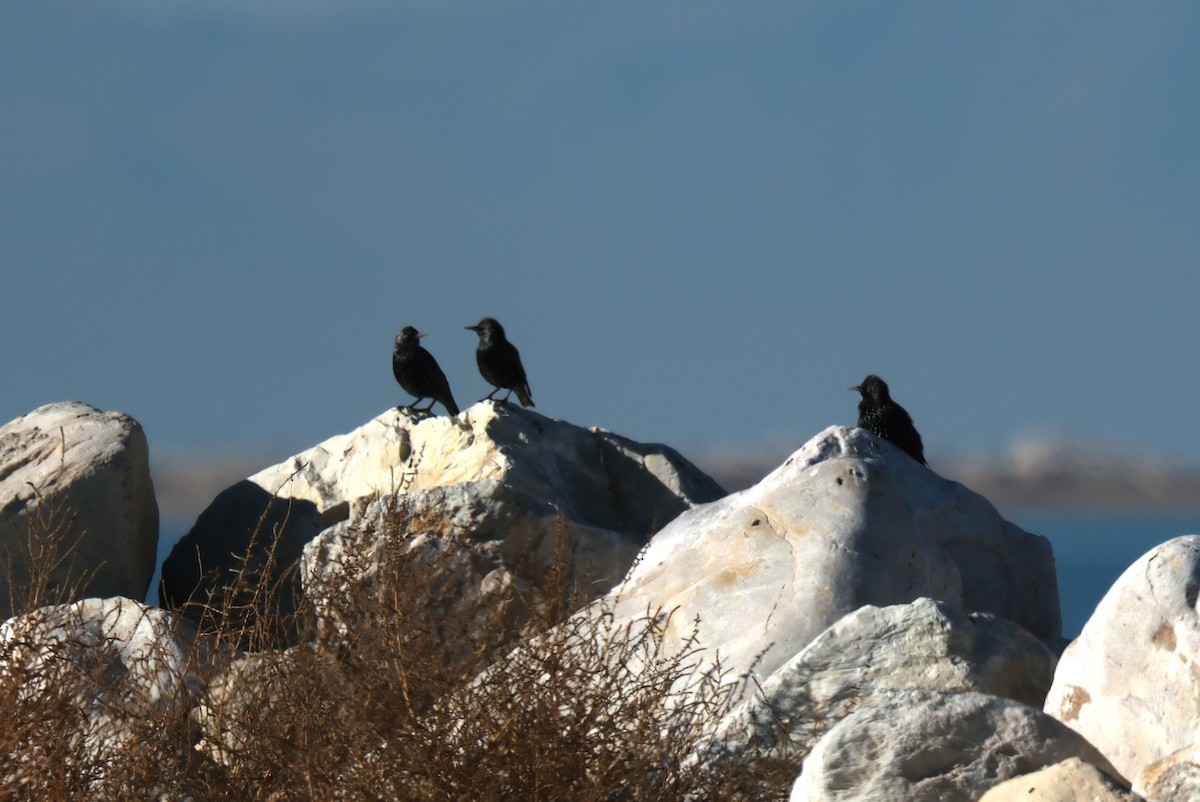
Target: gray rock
{"x": 872, "y": 654}
{"x": 1130, "y": 682}
{"x": 936, "y": 748}
{"x": 75, "y": 481}
{"x": 1175, "y": 777}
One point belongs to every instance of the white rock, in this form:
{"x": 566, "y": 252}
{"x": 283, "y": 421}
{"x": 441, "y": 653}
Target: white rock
{"x": 869, "y": 656}
{"x": 935, "y": 748}
{"x": 357, "y": 573}
{"x": 848, "y": 520}
{"x": 1130, "y": 683}
{"x": 509, "y": 481}
{"x": 71, "y": 472}
{"x": 119, "y": 663}
{"x": 1069, "y": 781}
{"x": 241, "y": 691}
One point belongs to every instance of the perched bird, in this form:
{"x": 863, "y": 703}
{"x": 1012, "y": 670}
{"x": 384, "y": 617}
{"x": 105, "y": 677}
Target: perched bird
{"x": 880, "y": 415}
{"x": 418, "y": 373}
{"x": 499, "y": 363}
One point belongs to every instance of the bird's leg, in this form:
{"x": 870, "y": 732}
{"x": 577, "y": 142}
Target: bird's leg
{"x": 506, "y": 396}
{"x": 413, "y": 409}
{"x": 488, "y": 397}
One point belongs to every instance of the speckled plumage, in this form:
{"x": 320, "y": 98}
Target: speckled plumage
{"x": 880, "y": 415}
{"x": 499, "y": 362}
{"x": 419, "y": 373}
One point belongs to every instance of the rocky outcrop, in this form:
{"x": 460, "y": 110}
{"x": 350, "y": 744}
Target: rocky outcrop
{"x": 861, "y": 611}
{"x": 75, "y": 491}
{"x": 1130, "y": 682}
{"x": 521, "y": 489}
{"x": 846, "y": 521}
{"x": 935, "y": 748}
{"x": 1071, "y": 780}
{"x": 871, "y": 655}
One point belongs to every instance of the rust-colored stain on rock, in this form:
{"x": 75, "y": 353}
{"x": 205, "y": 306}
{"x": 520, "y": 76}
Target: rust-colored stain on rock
{"x": 729, "y": 576}
{"x": 1073, "y": 701}
{"x": 1165, "y": 637}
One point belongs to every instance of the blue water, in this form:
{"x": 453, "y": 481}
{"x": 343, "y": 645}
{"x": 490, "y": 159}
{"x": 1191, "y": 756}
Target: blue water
{"x": 169, "y": 533}
{"x": 1090, "y": 551}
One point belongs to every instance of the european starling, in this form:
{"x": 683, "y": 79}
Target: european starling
{"x": 499, "y": 363}
{"x": 418, "y": 372}
{"x": 880, "y": 415}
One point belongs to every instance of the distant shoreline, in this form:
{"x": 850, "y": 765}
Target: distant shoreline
{"x": 1031, "y": 476}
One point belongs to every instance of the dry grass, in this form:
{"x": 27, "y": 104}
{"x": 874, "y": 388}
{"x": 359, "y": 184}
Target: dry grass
{"x": 420, "y": 692}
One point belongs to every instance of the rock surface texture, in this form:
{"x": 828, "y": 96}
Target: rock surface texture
{"x": 935, "y": 748}
{"x": 1069, "y": 781}
{"x": 76, "y": 479}
{"x": 870, "y": 656}
{"x": 846, "y": 521}
{"x": 1175, "y": 777}
{"x": 519, "y": 487}
{"x": 1130, "y": 682}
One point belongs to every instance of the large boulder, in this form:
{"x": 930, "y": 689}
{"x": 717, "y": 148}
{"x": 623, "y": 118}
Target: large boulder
{"x": 1130, "y": 682}
{"x": 871, "y": 655}
{"x": 78, "y": 515}
{"x": 522, "y": 489}
{"x": 949, "y": 747}
{"x": 89, "y": 681}
{"x": 848, "y": 520}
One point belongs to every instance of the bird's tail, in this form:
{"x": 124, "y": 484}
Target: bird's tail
{"x": 524, "y": 397}
{"x": 448, "y": 403}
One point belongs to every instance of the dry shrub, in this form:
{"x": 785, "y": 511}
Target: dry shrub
{"x": 422, "y": 691}
{"x": 77, "y": 721}
{"x": 39, "y": 566}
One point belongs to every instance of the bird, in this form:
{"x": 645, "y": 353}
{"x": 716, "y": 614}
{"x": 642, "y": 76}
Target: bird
{"x": 880, "y": 415}
{"x": 499, "y": 363}
{"x": 418, "y": 373}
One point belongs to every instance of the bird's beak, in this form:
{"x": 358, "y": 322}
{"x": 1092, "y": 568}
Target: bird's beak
{"x": 420, "y": 334}
{"x": 472, "y": 328}
{"x": 857, "y": 388}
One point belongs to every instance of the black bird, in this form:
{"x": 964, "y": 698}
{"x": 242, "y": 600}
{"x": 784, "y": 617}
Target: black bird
{"x": 880, "y": 415}
{"x": 499, "y": 363}
{"x": 418, "y": 372}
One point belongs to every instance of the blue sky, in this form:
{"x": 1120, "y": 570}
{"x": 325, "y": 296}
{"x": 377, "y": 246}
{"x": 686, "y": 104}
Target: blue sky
{"x": 700, "y": 222}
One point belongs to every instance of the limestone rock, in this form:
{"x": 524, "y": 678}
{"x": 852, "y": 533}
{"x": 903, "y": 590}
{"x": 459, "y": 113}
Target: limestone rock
{"x": 71, "y": 473}
{"x": 935, "y": 748}
{"x": 848, "y": 520}
{"x": 508, "y": 480}
{"x": 113, "y": 667}
{"x": 1130, "y": 683}
{"x": 872, "y": 654}
{"x": 364, "y": 576}
{"x": 1069, "y": 781}
{"x": 1175, "y": 777}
